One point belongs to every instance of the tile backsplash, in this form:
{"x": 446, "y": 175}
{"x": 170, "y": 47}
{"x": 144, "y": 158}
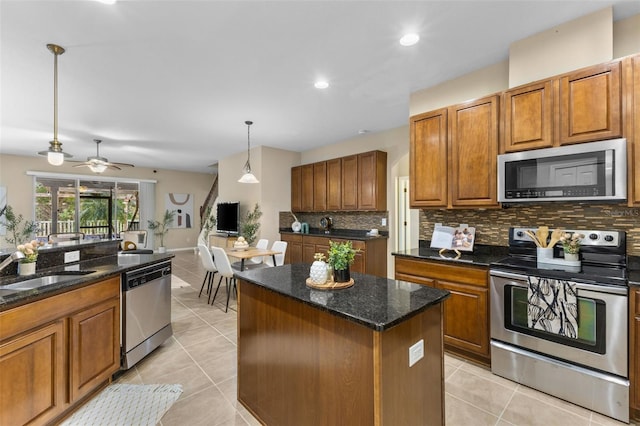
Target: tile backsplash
{"x": 340, "y": 220}
{"x": 492, "y": 225}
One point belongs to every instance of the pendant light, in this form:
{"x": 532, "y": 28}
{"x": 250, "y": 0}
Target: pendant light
{"x": 248, "y": 177}
{"x": 54, "y": 154}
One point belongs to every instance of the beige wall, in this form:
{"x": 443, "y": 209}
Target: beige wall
{"x": 576, "y": 44}
{"x": 626, "y": 36}
{"x": 20, "y": 189}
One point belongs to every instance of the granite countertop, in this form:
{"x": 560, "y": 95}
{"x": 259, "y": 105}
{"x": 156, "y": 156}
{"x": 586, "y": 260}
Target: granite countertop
{"x": 351, "y": 234}
{"x": 375, "y": 302}
{"x": 83, "y": 273}
{"x": 481, "y": 256}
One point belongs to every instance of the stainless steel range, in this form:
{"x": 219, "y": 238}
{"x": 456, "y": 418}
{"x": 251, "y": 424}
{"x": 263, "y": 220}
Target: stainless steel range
{"x": 585, "y": 360}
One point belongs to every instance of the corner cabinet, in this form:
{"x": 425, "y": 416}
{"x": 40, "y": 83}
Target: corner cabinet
{"x": 371, "y": 258}
{"x": 634, "y": 351}
{"x": 354, "y": 183}
{"x": 466, "y": 311}
{"x": 453, "y": 156}
{"x": 58, "y": 350}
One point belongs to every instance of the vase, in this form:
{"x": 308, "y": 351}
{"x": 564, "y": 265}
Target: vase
{"x": 571, "y": 256}
{"x": 342, "y": 275}
{"x": 27, "y": 268}
{"x": 318, "y": 273}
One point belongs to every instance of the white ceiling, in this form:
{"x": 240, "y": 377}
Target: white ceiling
{"x": 169, "y": 84}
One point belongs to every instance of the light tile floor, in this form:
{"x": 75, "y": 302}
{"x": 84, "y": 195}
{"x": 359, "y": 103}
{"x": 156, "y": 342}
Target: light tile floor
{"x": 202, "y": 357}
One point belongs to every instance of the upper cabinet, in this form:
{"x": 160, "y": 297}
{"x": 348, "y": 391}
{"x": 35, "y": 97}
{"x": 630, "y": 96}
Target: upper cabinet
{"x": 453, "y": 156}
{"x": 580, "y": 106}
{"x": 353, "y": 183}
{"x": 632, "y": 126}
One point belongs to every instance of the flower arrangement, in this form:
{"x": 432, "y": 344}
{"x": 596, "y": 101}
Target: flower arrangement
{"x": 30, "y": 251}
{"x": 571, "y": 242}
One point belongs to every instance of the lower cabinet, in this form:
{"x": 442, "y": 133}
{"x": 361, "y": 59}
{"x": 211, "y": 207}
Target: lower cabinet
{"x": 371, "y": 258}
{"x": 56, "y": 351}
{"x": 634, "y": 351}
{"x": 466, "y": 311}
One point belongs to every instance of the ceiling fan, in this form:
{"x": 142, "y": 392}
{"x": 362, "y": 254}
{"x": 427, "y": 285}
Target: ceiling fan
{"x": 99, "y": 164}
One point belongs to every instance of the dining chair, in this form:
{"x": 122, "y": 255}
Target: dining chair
{"x": 263, "y": 244}
{"x": 224, "y": 269}
{"x": 280, "y": 246}
{"x": 209, "y": 266}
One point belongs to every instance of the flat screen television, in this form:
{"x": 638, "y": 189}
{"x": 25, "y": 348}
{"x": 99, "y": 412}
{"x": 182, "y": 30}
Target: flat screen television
{"x": 227, "y": 218}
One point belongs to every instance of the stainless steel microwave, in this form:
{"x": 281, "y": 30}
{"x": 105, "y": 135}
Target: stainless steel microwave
{"x": 587, "y": 171}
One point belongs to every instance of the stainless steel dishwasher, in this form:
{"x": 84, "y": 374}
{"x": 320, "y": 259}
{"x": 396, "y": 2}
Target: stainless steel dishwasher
{"x": 146, "y": 311}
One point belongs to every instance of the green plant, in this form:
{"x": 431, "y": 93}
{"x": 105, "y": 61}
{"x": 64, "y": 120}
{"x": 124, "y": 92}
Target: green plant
{"x": 251, "y": 224}
{"x": 161, "y": 228}
{"x": 210, "y": 221}
{"x": 341, "y": 255}
{"x": 16, "y": 230}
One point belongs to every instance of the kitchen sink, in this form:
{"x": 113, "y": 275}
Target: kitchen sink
{"x": 41, "y": 282}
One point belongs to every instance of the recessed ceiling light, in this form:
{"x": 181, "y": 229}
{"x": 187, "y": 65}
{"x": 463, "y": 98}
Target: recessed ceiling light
{"x": 409, "y": 39}
{"x": 363, "y": 131}
{"x": 107, "y": 1}
{"x": 321, "y": 84}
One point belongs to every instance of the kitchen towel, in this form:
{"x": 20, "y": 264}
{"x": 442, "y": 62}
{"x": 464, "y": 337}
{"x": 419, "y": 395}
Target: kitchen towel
{"x": 552, "y": 306}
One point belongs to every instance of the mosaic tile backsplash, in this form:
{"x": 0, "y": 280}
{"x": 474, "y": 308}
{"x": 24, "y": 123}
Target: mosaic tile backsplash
{"x": 340, "y": 220}
{"x": 492, "y": 225}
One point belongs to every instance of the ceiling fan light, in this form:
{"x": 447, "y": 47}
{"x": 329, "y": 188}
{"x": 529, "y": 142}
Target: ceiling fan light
{"x": 55, "y": 158}
{"x": 97, "y": 168}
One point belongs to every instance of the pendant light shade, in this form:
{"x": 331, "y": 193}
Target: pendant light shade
{"x": 248, "y": 177}
{"x": 54, "y": 154}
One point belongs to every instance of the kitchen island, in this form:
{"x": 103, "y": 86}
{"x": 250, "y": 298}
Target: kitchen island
{"x": 314, "y": 357}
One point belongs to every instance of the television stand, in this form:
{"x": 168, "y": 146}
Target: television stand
{"x": 222, "y": 240}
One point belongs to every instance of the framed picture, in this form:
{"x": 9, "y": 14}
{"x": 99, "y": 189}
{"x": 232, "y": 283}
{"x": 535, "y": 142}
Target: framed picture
{"x": 182, "y": 204}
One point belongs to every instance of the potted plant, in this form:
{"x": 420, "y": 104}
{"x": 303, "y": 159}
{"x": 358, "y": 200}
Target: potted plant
{"x": 27, "y": 265}
{"x": 341, "y": 256}
{"x": 161, "y": 228}
{"x": 571, "y": 245}
{"x": 251, "y": 224}
{"x": 16, "y": 230}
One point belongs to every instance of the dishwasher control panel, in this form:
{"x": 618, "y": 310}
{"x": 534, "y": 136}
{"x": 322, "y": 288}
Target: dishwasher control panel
{"x": 138, "y": 277}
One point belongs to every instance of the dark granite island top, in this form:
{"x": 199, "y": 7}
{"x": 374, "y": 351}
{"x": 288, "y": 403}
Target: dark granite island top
{"x": 370, "y": 354}
{"x": 375, "y": 302}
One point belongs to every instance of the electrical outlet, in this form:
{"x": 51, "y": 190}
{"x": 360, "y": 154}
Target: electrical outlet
{"x": 384, "y": 221}
{"x": 416, "y": 352}
{"x": 72, "y": 256}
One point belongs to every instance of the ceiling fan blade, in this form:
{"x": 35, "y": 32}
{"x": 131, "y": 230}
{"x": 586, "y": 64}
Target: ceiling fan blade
{"x": 113, "y": 166}
{"x": 122, "y": 164}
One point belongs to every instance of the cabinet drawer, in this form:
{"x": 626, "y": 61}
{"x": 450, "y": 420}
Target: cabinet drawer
{"x": 441, "y": 271}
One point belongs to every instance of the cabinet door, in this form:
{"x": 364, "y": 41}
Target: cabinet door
{"x": 334, "y": 184}
{"x": 428, "y": 160}
{"x": 473, "y": 149}
{"x": 33, "y": 386}
{"x": 94, "y": 346}
{"x": 528, "y": 117}
{"x": 294, "y": 248}
{"x": 372, "y": 181}
{"x": 320, "y": 186}
{"x": 306, "y": 172}
{"x": 465, "y": 317}
{"x": 350, "y": 182}
{"x": 590, "y": 103}
{"x": 634, "y": 350}
{"x": 296, "y": 189}
{"x": 633, "y": 139}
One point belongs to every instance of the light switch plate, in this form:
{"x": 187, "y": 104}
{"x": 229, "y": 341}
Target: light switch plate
{"x": 384, "y": 221}
{"x": 72, "y": 256}
{"x": 416, "y": 352}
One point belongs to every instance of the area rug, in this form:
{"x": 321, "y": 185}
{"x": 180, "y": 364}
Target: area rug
{"x": 126, "y": 405}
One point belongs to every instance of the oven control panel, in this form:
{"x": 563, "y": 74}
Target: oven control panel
{"x": 598, "y": 238}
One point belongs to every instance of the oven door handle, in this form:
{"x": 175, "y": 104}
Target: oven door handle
{"x": 522, "y": 281}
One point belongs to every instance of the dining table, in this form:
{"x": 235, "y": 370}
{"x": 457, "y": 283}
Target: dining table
{"x": 249, "y": 253}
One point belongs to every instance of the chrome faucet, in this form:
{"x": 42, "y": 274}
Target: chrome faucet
{"x": 13, "y": 257}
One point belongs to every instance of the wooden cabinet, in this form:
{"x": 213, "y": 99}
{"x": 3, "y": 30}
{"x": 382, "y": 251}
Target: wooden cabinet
{"x": 632, "y": 126}
{"x": 350, "y": 182}
{"x": 466, "y": 311}
{"x": 473, "y": 150}
{"x": 528, "y": 117}
{"x": 428, "y": 183}
{"x": 353, "y": 183}
{"x": 590, "y": 104}
{"x": 634, "y": 351}
{"x": 334, "y": 184}
{"x": 221, "y": 241}
{"x": 306, "y": 182}
{"x": 296, "y": 189}
{"x": 372, "y": 181}
{"x": 453, "y": 156}
{"x": 371, "y": 259}
{"x": 320, "y": 186}
{"x": 57, "y": 350}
